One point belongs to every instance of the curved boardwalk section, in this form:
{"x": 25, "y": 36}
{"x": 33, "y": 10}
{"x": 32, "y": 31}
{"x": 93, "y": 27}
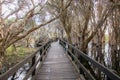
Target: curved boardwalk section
{"x": 57, "y": 66}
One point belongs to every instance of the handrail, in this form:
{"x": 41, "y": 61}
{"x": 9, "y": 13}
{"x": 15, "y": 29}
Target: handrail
{"x": 11, "y": 72}
{"x": 102, "y": 68}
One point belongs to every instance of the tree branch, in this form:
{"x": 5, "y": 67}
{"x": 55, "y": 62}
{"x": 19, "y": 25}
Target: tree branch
{"x": 31, "y": 30}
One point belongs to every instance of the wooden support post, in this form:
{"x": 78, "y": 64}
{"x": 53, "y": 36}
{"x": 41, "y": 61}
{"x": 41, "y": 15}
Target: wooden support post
{"x": 72, "y": 50}
{"x": 40, "y": 51}
{"x": 40, "y": 55}
{"x": 66, "y": 47}
{"x": 33, "y": 63}
{"x": 13, "y": 76}
{"x": 68, "y": 50}
{"x": 44, "y": 50}
{"x": 81, "y": 61}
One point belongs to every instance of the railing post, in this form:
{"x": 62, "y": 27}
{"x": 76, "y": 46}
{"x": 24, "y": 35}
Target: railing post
{"x": 40, "y": 51}
{"x": 40, "y": 55}
{"x": 13, "y": 76}
{"x": 44, "y": 50}
{"x": 33, "y": 63}
{"x": 59, "y": 41}
{"x": 72, "y": 50}
{"x": 66, "y": 47}
{"x": 81, "y": 61}
{"x": 68, "y": 50}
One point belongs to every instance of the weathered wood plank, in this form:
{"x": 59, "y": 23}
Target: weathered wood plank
{"x": 57, "y": 66}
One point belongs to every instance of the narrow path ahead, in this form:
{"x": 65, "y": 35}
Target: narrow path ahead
{"x": 57, "y": 66}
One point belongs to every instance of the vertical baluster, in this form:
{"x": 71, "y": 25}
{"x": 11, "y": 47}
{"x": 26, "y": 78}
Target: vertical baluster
{"x": 33, "y": 63}
{"x": 72, "y": 50}
{"x": 59, "y": 41}
{"x": 81, "y": 61}
{"x": 66, "y": 47}
{"x": 47, "y": 46}
{"x": 13, "y": 76}
{"x": 40, "y": 55}
{"x": 68, "y": 50}
{"x": 44, "y": 50}
{"x": 40, "y": 51}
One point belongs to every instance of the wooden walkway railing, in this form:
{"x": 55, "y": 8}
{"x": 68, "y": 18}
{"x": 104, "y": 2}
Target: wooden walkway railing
{"x": 33, "y": 58}
{"x": 71, "y": 50}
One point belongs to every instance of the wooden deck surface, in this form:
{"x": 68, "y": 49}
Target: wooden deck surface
{"x": 57, "y": 66}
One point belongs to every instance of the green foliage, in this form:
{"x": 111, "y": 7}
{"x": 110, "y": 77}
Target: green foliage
{"x": 14, "y": 56}
{"x": 9, "y": 21}
{"x": 106, "y": 38}
{"x": 21, "y": 51}
{"x": 30, "y": 25}
{"x": 10, "y": 50}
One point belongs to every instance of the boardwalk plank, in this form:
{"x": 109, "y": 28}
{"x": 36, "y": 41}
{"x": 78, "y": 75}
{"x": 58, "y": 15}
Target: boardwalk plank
{"x": 57, "y": 66}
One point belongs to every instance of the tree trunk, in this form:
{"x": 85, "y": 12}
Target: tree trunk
{"x": 2, "y": 55}
{"x": 69, "y": 38}
{"x": 27, "y": 42}
{"x": 2, "y": 52}
{"x": 14, "y": 47}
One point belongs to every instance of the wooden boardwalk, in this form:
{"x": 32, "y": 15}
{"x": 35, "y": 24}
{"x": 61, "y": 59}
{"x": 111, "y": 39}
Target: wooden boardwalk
{"x": 57, "y": 66}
